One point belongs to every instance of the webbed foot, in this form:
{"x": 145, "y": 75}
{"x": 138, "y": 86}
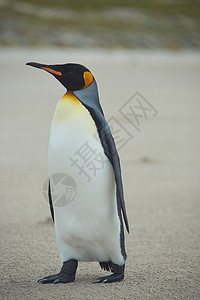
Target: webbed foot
{"x": 67, "y": 273}
{"x": 118, "y": 274}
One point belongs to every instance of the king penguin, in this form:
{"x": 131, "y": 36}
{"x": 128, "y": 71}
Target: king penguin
{"x": 89, "y": 228}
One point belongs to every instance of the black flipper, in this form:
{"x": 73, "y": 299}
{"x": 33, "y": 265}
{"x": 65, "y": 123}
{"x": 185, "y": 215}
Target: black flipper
{"x": 90, "y": 99}
{"x": 111, "y": 152}
{"x": 50, "y": 202}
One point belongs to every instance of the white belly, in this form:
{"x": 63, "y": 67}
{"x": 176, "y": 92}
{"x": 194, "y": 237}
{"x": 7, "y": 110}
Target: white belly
{"x": 87, "y": 224}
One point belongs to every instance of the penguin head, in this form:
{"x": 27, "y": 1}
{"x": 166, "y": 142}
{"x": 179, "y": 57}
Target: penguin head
{"x": 72, "y": 76}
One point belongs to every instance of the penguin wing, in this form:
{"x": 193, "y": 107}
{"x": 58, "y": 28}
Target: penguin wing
{"x": 50, "y": 202}
{"x": 90, "y": 99}
{"x": 110, "y": 150}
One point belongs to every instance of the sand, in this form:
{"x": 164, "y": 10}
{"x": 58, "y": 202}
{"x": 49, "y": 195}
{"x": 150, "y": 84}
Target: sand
{"x": 160, "y": 165}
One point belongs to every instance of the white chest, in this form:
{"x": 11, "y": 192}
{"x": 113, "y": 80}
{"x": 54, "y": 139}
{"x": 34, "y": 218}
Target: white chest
{"x": 73, "y": 132}
{"x": 87, "y": 224}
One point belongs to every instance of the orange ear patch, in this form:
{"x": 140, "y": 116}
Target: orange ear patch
{"x": 52, "y": 71}
{"x": 88, "y": 78}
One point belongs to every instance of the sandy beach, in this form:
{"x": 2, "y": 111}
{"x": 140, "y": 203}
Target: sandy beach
{"x": 160, "y": 165}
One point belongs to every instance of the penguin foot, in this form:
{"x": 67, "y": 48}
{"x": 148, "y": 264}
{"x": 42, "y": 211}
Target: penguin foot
{"x": 67, "y": 273}
{"x": 118, "y": 274}
{"x": 110, "y": 278}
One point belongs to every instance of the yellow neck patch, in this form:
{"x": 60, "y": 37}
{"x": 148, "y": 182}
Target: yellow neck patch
{"x": 68, "y": 107}
{"x": 69, "y": 96}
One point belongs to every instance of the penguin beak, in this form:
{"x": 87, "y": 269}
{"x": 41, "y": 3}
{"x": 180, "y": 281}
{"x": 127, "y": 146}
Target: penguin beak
{"x": 47, "y": 68}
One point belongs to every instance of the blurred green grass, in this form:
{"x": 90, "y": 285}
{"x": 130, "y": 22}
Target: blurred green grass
{"x": 187, "y": 7}
{"x": 129, "y": 23}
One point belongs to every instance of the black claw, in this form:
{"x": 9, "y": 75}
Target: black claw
{"x": 67, "y": 273}
{"x": 48, "y": 278}
{"x": 56, "y": 281}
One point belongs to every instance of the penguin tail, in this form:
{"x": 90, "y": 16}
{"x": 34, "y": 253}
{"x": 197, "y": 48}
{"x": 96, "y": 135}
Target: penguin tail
{"x": 106, "y": 265}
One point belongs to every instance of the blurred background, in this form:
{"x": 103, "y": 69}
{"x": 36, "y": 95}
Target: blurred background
{"x": 164, "y": 24}
{"x": 150, "y": 47}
